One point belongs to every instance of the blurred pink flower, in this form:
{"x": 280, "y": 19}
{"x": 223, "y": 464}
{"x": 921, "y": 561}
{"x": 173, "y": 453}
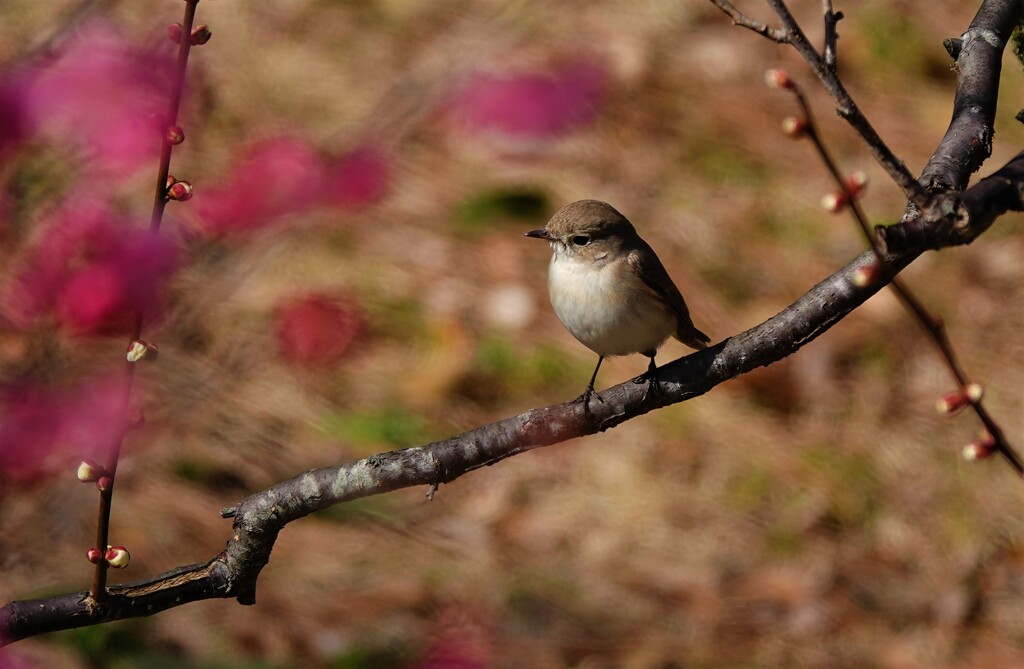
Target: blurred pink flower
{"x": 43, "y": 429}
{"x": 273, "y": 178}
{"x": 91, "y": 271}
{"x": 452, "y": 654}
{"x": 357, "y": 178}
{"x": 101, "y": 93}
{"x": 317, "y": 328}
{"x": 462, "y": 641}
{"x": 285, "y": 175}
{"x": 90, "y": 297}
{"x": 531, "y": 104}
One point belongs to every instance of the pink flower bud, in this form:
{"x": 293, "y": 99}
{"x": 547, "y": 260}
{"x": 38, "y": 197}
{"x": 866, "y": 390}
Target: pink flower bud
{"x": 794, "y": 127}
{"x": 104, "y": 483}
{"x": 865, "y": 275}
{"x": 778, "y": 79}
{"x": 89, "y": 471}
{"x": 174, "y": 32}
{"x": 118, "y": 557}
{"x": 834, "y": 202}
{"x": 171, "y": 180}
{"x": 94, "y": 555}
{"x": 137, "y": 350}
{"x": 201, "y": 34}
{"x": 180, "y": 191}
{"x": 174, "y": 135}
{"x": 981, "y": 449}
{"x": 957, "y": 400}
{"x": 856, "y": 182}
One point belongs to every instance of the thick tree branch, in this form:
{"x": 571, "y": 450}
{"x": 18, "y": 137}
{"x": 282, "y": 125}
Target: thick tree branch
{"x": 259, "y": 518}
{"x": 959, "y": 219}
{"x": 968, "y": 140}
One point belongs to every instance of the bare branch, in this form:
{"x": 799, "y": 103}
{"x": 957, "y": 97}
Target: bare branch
{"x": 832, "y": 19}
{"x": 966, "y": 215}
{"x": 968, "y": 140}
{"x": 848, "y": 109}
{"x": 741, "y": 19}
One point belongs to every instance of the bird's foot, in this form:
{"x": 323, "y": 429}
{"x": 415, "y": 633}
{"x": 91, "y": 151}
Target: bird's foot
{"x": 585, "y": 398}
{"x": 650, "y": 377}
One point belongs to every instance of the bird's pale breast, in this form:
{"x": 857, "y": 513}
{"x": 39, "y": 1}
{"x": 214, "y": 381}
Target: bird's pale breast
{"x": 607, "y": 307}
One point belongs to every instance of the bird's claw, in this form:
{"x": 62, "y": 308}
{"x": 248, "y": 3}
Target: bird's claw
{"x": 585, "y": 399}
{"x": 650, "y": 377}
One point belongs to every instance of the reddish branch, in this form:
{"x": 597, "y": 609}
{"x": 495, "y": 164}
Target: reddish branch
{"x": 98, "y": 591}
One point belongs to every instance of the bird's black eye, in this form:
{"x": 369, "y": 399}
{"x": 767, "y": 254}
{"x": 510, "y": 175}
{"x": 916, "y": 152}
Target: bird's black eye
{"x": 581, "y": 240}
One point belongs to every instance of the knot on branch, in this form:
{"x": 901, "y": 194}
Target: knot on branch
{"x": 944, "y": 222}
{"x": 953, "y": 46}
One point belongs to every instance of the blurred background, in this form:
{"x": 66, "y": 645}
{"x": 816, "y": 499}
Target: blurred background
{"x": 351, "y": 277}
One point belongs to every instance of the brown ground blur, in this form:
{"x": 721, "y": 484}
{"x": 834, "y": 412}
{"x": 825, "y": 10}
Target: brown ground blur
{"x": 812, "y": 514}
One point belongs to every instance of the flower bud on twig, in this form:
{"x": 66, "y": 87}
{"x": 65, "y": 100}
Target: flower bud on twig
{"x": 981, "y": 449}
{"x": 94, "y": 555}
{"x": 794, "y": 127}
{"x": 138, "y": 349}
{"x": 865, "y": 275}
{"x": 180, "y": 191}
{"x": 104, "y": 483}
{"x": 174, "y": 32}
{"x": 89, "y": 471}
{"x": 174, "y": 135}
{"x": 118, "y": 557}
{"x": 958, "y": 399}
{"x": 201, "y": 34}
{"x": 778, "y": 79}
{"x": 856, "y": 182}
{"x": 834, "y": 202}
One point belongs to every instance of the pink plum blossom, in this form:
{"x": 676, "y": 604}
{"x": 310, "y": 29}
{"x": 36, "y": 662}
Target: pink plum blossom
{"x": 531, "y": 104}
{"x": 315, "y": 329}
{"x": 101, "y": 93}
{"x": 43, "y": 429}
{"x": 90, "y": 271}
{"x": 357, "y": 179}
{"x": 284, "y": 176}
{"x": 271, "y": 179}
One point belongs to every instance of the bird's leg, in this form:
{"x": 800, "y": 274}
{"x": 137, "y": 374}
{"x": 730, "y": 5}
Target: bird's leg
{"x": 650, "y": 376}
{"x": 590, "y": 392}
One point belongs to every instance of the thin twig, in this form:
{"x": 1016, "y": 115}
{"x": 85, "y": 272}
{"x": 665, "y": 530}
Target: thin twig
{"x": 98, "y": 592}
{"x": 848, "y": 109}
{"x": 740, "y": 19}
{"x": 832, "y": 19}
{"x": 845, "y": 106}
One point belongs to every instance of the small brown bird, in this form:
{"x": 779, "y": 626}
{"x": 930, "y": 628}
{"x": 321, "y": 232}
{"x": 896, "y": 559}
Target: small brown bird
{"x": 609, "y": 289}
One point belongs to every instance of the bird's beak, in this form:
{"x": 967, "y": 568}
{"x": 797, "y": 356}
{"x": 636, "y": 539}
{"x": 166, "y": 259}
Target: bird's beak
{"x": 539, "y": 234}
